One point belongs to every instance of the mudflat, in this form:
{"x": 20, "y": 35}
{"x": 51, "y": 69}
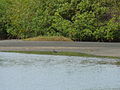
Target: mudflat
{"x": 94, "y": 48}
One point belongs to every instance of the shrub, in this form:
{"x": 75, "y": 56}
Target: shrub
{"x": 80, "y": 20}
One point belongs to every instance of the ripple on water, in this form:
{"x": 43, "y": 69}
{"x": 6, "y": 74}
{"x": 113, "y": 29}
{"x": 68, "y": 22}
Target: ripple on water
{"x": 49, "y": 72}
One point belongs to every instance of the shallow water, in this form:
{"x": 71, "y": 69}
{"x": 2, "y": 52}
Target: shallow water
{"x": 49, "y": 72}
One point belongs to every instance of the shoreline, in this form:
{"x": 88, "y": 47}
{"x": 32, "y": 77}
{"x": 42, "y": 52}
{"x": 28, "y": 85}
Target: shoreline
{"x": 89, "y": 48}
{"x": 62, "y": 54}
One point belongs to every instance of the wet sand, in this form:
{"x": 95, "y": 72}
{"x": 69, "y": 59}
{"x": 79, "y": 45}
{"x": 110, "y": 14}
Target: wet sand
{"x": 95, "y": 48}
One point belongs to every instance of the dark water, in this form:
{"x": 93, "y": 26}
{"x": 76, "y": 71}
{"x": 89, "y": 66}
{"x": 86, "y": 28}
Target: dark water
{"x": 47, "y": 72}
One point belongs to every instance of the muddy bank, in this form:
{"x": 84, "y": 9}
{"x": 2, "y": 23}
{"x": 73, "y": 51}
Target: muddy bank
{"x": 95, "y": 48}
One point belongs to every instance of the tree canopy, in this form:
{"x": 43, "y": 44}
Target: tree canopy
{"x": 80, "y": 20}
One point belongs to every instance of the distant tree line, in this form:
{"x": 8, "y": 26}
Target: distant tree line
{"x": 80, "y": 20}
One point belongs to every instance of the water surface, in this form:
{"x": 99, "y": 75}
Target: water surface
{"x": 49, "y": 72}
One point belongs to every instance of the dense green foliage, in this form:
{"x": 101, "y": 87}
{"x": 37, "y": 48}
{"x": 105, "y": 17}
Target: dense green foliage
{"x": 80, "y": 20}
